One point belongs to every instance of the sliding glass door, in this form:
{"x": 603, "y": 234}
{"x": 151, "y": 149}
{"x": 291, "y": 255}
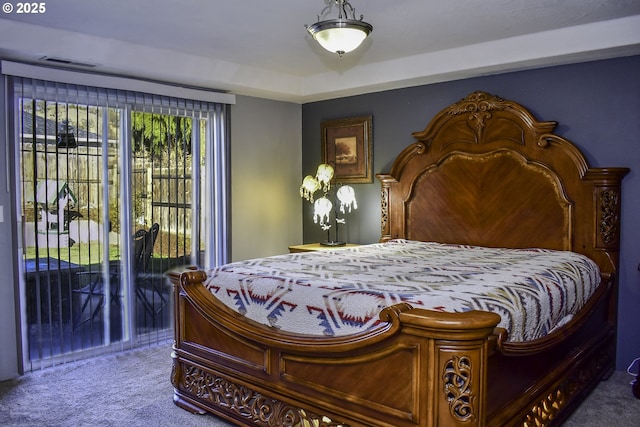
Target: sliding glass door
{"x": 68, "y": 172}
{"x": 162, "y": 188}
{"x": 110, "y": 196}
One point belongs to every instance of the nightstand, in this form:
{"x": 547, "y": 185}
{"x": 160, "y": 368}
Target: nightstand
{"x": 317, "y": 247}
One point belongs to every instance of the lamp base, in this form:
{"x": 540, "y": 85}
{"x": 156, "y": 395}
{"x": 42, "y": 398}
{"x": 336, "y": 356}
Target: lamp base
{"x": 333, "y": 243}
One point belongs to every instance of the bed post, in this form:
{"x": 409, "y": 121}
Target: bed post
{"x": 192, "y": 275}
{"x": 385, "y": 221}
{"x": 461, "y": 348}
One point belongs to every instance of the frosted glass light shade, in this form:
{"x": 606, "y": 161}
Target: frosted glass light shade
{"x": 322, "y": 212}
{"x": 309, "y": 186}
{"x": 324, "y": 175}
{"x": 340, "y": 40}
{"x": 340, "y": 35}
{"x": 347, "y": 197}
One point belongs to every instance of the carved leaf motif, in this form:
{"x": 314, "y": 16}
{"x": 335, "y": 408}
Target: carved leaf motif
{"x": 547, "y": 409}
{"x": 609, "y": 202}
{"x": 255, "y": 407}
{"x": 384, "y": 205}
{"x": 478, "y": 106}
{"x": 457, "y": 388}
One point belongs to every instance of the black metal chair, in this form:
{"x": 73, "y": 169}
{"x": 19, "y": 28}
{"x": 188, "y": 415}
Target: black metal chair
{"x": 148, "y": 284}
{"x": 93, "y": 293}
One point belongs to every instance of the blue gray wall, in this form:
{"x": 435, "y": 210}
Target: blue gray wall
{"x": 597, "y": 105}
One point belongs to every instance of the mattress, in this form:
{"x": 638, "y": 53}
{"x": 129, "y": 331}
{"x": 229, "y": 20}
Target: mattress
{"x": 341, "y": 292}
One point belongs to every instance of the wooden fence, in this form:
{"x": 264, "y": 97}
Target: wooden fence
{"x": 160, "y": 193}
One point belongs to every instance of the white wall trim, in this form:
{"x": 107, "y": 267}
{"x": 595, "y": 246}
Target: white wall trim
{"x": 113, "y": 82}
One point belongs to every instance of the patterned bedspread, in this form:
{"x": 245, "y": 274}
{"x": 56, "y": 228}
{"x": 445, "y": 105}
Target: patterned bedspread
{"x": 341, "y": 292}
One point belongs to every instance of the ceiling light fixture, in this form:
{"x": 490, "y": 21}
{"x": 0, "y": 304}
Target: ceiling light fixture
{"x": 343, "y": 34}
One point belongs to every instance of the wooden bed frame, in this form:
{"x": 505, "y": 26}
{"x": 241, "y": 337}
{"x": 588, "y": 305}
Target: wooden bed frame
{"x": 483, "y": 172}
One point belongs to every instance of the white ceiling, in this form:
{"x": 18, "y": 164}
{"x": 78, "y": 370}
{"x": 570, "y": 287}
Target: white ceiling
{"x": 261, "y": 48}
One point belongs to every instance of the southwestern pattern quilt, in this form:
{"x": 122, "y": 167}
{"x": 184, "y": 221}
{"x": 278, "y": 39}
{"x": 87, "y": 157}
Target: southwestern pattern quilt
{"x": 342, "y": 291}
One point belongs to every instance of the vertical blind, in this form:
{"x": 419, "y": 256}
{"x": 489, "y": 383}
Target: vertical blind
{"x": 151, "y": 183}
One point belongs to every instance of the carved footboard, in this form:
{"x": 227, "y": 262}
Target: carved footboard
{"x": 421, "y": 369}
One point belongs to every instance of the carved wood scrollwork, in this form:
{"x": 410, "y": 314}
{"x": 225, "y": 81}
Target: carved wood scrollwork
{"x": 478, "y": 106}
{"x": 609, "y": 215}
{"x": 457, "y": 388}
{"x": 174, "y": 373}
{"x": 547, "y": 409}
{"x": 384, "y": 205}
{"x": 255, "y": 407}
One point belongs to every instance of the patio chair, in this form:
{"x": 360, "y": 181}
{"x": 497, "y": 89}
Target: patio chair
{"x": 93, "y": 295}
{"x": 148, "y": 284}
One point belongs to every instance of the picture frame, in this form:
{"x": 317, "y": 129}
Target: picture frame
{"x": 347, "y": 145}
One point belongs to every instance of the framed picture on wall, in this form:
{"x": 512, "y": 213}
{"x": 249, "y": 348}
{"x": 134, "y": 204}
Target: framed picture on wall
{"x": 347, "y": 146}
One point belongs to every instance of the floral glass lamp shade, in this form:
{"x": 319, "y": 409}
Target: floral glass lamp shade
{"x": 324, "y": 210}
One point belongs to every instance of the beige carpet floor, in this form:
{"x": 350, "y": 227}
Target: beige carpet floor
{"x": 133, "y": 389}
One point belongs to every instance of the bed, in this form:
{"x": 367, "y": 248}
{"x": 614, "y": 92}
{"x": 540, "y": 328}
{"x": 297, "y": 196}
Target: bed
{"x": 483, "y": 175}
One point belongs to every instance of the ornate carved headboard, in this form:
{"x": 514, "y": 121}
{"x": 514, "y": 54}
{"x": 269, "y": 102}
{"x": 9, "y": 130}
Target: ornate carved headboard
{"x": 485, "y": 172}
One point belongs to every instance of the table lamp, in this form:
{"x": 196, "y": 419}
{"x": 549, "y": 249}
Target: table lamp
{"x": 324, "y": 210}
